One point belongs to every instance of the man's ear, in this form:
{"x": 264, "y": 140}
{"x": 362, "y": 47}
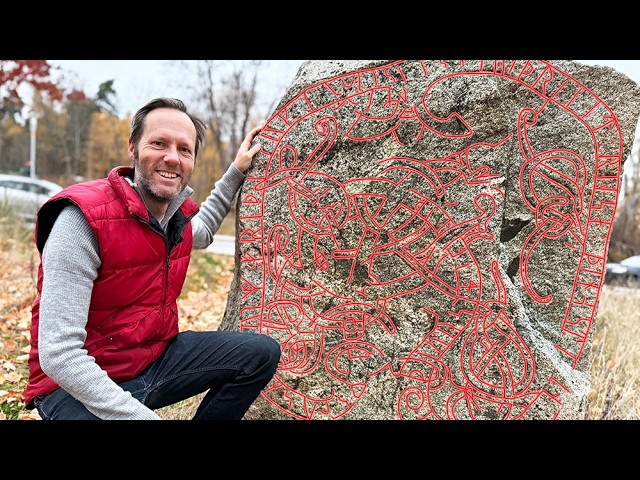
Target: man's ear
{"x": 131, "y": 150}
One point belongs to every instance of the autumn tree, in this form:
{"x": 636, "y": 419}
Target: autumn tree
{"x": 625, "y": 234}
{"x": 54, "y": 154}
{"x": 14, "y": 146}
{"x": 107, "y": 144}
{"x": 224, "y": 93}
{"x": 14, "y": 75}
{"x": 69, "y": 149}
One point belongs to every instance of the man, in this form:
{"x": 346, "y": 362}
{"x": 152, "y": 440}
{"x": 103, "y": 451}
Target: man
{"x": 114, "y": 254}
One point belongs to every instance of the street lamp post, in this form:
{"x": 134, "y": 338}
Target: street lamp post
{"x": 33, "y": 126}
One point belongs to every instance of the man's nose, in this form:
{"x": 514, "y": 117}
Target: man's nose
{"x": 172, "y": 155}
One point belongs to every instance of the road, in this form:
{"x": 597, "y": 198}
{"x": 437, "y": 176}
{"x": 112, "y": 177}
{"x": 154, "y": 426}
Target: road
{"x": 223, "y": 245}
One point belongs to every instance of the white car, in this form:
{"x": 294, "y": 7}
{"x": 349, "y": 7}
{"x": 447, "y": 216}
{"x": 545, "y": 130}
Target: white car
{"x": 24, "y": 195}
{"x": 624, "y": 271}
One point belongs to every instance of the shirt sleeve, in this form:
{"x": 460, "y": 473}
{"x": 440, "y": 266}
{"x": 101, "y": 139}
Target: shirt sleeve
{"x": 70, "y": 263}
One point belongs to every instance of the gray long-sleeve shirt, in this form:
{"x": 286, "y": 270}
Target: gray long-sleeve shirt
{"x": 67, "y": 284}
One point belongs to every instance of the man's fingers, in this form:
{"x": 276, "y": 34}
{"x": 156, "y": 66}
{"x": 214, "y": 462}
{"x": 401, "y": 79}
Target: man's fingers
{"x": 251, "y": 135}
{"x": 255, "y": 149}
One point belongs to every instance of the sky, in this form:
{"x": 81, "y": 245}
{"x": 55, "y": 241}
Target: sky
{"x": 137, "y": 81}
{"x": 631, "y": 68}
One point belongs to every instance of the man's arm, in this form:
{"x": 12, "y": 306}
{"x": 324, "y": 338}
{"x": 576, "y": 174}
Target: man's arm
{"x": 70, "y": 263}
{"x": 217, "y": 205}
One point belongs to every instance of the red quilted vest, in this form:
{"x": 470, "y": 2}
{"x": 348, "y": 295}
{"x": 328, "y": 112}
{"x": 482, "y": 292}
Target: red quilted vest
{"x": 133, "y": 312}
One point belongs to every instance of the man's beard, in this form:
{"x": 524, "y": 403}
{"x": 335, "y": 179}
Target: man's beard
{"x": 148, "y": 188}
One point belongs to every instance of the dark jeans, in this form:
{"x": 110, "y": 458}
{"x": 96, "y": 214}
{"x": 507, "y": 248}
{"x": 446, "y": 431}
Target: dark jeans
{"x": 233, "y": 366}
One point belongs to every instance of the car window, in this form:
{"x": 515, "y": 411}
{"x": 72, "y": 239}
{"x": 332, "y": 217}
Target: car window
{"x": 26, "y": 187}
{"x": 10, "y": 184}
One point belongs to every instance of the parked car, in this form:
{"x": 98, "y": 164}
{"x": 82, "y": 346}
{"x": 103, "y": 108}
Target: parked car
{"x": 625, "y": 271}
{"x": 24, "y": 195}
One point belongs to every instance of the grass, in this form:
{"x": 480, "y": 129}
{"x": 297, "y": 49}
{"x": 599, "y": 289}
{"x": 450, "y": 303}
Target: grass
{"x": 615, "y": 370}
{"x": 18, "y": 268}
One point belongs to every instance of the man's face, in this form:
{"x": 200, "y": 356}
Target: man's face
{"x": 165, "y": 155}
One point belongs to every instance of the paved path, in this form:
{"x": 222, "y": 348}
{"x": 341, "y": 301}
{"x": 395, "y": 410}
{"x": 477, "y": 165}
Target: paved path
{"x": 223, "y": 245}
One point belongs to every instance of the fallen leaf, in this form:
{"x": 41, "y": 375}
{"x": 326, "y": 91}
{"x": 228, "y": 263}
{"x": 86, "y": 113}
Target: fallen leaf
{"x": 13, "y": 377}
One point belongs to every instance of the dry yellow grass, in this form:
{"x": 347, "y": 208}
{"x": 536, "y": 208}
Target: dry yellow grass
{"x": 615, "y": 368}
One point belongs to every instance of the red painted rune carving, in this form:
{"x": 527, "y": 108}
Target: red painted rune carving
{"x": 391, "y": 236}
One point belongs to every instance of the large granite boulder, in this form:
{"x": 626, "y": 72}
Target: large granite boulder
{"x": 427, "y": 239}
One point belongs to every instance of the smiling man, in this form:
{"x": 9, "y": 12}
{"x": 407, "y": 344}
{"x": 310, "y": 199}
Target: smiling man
{"x": 163, "y": 155}
{"x": 105, "y": 342}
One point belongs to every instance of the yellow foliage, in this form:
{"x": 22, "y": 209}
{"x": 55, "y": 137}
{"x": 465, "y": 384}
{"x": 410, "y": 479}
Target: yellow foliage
{"x": 107, "y": 144}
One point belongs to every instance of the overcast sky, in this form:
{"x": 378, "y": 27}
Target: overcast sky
{"x": 137, "y": 81}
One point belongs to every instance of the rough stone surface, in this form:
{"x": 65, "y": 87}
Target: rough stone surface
{"x": 427, "y": 239}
